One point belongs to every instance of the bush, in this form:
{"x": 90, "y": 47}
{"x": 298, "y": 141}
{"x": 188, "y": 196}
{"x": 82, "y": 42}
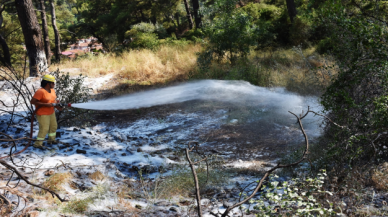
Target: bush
{"x": 150, "y": 28}
{"x": 300, "y": 31}
{"x": 145, "y": 40}
{"x": 324, "y": 46}
{"x": 195, "y": 35}
{"x": 77, "y": 205}
{"x": 71, "y": 90}
{"x": 299, "y": 197}
{"x": 231, "y": 35}
{"x": 146, "y": 35}
{"x": 357, "y": 99}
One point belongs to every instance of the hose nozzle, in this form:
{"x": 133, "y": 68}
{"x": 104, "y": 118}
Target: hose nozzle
{"x": 62, "y": 105}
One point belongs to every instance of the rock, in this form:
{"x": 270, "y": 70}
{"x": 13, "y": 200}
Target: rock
{"x": 163, "y": 203}
{"x": 137, "y": 206}
{"x": 173, "y": 209}
{"x": 5, "y": 145}
{"x": 139, "y": 150}
{"x": 123, "y": 154}
{"x": 233, "y": 121}
{"x": 185, "y": 202}
{"x": 49, "y": 172}
{"x": 88, "y": 132}
{"x": 149, "y": 169}
{"x": 173, "y": 157}
{"x": 58, "y": 135}
{"x": 76, "y": 129}
{"x": 79, "y": 151}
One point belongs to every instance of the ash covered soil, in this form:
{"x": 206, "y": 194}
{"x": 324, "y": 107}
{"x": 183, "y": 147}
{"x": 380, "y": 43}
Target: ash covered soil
{"x": 151, "y": 141}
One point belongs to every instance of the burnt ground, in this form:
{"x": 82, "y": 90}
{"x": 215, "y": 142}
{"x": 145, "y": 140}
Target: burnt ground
{"x": 246, "y": 140}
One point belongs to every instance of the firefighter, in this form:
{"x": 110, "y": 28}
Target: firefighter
{"x": 45, "y": 101}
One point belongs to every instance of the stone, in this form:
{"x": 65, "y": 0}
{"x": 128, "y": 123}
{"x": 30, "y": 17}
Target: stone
{"x": 76, "y": 129}
{"x": 137, "y": 206}
{"x": 163, "y": 203}
{"x": 173, "y": 209}
{"x": 139, "y": 150}
{"x": 79, "y": 151}
{"x": 123, "y": 154}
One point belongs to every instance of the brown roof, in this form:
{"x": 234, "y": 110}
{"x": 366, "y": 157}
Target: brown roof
{"x": 77, "y": 51}
{"x": 83, "y": 44}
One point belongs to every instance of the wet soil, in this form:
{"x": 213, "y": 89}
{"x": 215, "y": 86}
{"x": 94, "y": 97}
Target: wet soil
{"x": 250, "y": 140}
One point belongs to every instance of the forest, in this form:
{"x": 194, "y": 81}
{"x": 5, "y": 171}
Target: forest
{"x": 259, "y": 107}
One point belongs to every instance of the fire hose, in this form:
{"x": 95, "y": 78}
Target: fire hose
{"x": 31, "y": 130}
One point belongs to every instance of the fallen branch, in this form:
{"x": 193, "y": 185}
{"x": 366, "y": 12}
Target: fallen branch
{"x": 13, "y": 169}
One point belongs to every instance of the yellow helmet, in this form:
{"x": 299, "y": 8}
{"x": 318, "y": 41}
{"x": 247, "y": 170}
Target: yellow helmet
{"x": 49, "y": 78}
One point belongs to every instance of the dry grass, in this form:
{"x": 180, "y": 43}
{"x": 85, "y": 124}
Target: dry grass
{"x": 380, "y": 177}
{"x": 139, "y": 66}
{"x": 97, "y": 176}
{"x": 56, "y": 181}
{"x": 297, "y": 70}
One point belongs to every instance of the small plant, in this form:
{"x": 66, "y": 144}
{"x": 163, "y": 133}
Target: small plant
{"x": 380, "y": 177}
{"x": 297, "y": 198}
{"x": 56, "y": 181}
{"x": 97, "y": 176}
{"x": 77, "y": 205}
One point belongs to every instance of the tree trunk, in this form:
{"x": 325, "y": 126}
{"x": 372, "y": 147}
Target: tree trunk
{"x": 46, "y": 38}
{"x": 196, "y": 14}
{"x": 32, "y": 37}
{"x": 188, "y": 14}
{"x": 6, "y": 57}
{"x": 57, "y": 49}
{"x": 291, "y": 9}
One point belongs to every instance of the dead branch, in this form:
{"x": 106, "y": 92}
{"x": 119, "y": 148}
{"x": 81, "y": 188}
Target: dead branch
{"x": 260, "y": 184}
{"x": 13, "y": 169}
{"x": 192, "y": 166}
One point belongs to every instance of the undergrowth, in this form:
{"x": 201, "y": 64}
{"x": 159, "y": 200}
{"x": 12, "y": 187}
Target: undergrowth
{"x": 297, "y": 69}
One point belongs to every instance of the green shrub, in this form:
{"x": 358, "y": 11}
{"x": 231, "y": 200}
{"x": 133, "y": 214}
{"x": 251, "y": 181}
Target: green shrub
{"x": 195, "y": 35}
{"x": 356, "y": 100}
{"x": 300, "y": 197}
{"x": 144, "y": 40}
{"x": 324, "y": 46}
{"x": 71, "y": 90}
{"x": 77, "y": 206}
{"x": 231, "y": 35}
{"x": 150, "y": 28}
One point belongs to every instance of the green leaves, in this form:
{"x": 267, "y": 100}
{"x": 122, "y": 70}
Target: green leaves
{"x": 359, "y": 45}
{"x": 295, "y": 198}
